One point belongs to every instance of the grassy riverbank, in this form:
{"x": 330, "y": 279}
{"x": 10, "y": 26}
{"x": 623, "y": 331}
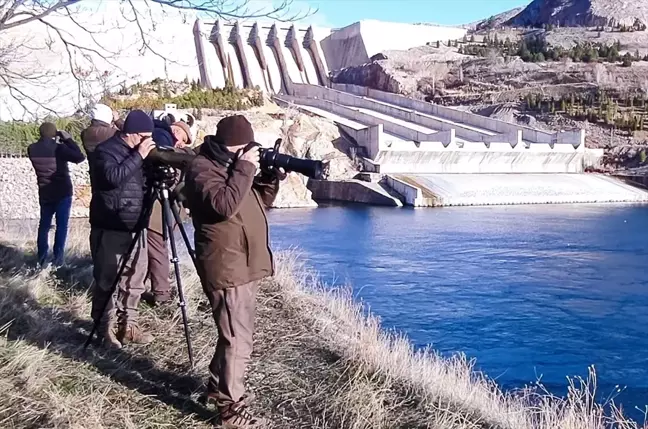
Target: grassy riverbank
{"x": 319, "y": 362}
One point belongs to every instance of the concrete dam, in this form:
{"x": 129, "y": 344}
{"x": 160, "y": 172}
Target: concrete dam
{"x": 412, "y": 152}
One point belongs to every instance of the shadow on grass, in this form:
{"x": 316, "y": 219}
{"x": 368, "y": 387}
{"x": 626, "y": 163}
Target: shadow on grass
{"x": 64, "y": 333}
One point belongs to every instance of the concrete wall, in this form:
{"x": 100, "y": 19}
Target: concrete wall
{"x": 576, "y": 139}
{"x": 354, "y": 44}
{"x": 454, "y": 161}
{"x": 411, "y": 194}
{"x": 365, "y": 118}
{"x": 351, "y": 191}
{"x": 405, "y": 114}
{"x": 369, "y": 137}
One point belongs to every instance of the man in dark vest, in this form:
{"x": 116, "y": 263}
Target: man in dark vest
{"x": 50, "y": 156}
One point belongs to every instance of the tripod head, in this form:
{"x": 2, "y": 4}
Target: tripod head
{"x": 162, "y": 176}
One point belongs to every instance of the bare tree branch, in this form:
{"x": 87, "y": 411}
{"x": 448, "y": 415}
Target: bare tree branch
{"x": 78, "y": 42}
{"x": 33, "y": 16}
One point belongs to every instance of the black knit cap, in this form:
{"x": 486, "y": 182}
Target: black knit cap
{"x": 138, "y": 121}
{"x": 234, "y": 131}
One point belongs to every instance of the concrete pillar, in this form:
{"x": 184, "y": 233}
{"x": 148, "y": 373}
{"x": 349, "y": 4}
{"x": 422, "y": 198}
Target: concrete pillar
{"x": 275, "y": 45}
{"x": 205, "y": 81}
{"x": 292, "y": 44}
{"x": 255, "y": 41}
{"x": 310, "y": 44}
{"x": 236, "y": 41}
{"x": 216, "y": 39}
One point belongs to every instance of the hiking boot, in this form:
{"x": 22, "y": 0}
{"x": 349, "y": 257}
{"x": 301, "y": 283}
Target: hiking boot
{"x": 210, "y": 400}
{"x": 154, "y": 301}
{"x": 109, "y": 334}
{"x": 236, "y": 416}
{"x": 132, "y": 333}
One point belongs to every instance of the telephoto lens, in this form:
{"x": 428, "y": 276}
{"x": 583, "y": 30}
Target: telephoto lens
{"x": 272, "y": 158}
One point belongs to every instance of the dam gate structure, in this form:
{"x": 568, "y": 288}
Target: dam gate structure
{"x": 425, "y": 154}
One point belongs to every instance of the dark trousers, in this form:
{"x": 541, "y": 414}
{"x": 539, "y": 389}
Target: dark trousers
{"x": 234, "y": 310}
{"x": 60, "y": 209}
{"x": 158, "y": 265}
{"x": 107, "y": 249}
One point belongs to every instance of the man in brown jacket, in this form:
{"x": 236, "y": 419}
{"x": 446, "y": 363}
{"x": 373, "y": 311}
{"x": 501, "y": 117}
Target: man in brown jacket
{"x": 178, "y": 136}
{"x": 101, "y": 128}
{"x": 227, "y": 201}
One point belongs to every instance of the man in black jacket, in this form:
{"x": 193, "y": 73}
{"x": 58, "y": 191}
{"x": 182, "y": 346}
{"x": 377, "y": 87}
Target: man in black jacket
{"x": 116, "y": 213}
{"x": 50, "y": 161}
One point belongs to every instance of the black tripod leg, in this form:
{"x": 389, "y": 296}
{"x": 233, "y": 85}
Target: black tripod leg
{"x": 166, "y": 207}
{"x": 165, "y": 217}
{"x": 122, "y": 266}
{"x": 185, "y": 237}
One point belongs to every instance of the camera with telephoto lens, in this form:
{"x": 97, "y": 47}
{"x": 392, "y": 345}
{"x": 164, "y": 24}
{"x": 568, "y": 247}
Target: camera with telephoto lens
{"x": 271, "y": 158}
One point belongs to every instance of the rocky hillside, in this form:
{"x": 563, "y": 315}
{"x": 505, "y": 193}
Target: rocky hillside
{"x": 495, "y": 20}
{"x": 582, "y": 13}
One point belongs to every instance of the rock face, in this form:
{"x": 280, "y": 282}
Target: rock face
{"x": 407, "y": 72}
{"x": 302, "y": 136}
{"x": 372, "y": 75}
{"x": 582, "y": 13}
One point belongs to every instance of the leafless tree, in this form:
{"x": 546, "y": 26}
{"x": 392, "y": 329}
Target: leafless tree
{"x": 601, "y": 76}
{"x": 436, "y": 71}
{"x": 62, "y": 23}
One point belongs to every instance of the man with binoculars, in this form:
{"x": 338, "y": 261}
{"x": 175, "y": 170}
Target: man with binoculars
{"x": 50, "y": 156}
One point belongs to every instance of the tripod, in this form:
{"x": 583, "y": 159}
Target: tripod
{"x": 162, "y": 177}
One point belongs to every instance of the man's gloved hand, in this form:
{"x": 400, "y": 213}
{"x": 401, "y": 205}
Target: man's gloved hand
{"x": 279, "y": 173}
{"x": 64, "y": 135}
{"x": 273, "y": 173}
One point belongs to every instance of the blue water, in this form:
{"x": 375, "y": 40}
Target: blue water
{"x": 529, "y": 291}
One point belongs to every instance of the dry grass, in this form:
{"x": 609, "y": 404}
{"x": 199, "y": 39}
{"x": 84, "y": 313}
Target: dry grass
{"x": 319, "y": 362}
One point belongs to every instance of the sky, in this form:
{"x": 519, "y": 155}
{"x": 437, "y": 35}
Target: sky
{"x": 340, "y": 13}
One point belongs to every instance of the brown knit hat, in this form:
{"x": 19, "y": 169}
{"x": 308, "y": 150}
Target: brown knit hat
{"x": 47, "y": 130}
{"x": 185, "y": 128}
{"x": 234, "y": 131}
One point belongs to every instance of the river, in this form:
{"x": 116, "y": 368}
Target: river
{"x": 529, "y": 291}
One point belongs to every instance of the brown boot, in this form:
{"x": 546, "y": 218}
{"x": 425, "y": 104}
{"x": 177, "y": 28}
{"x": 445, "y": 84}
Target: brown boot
{"x": 108, "y": 333}
{"x": 210, "y": 400}
{"x": 236, "y": 416}
{"x": 132, "y": 333}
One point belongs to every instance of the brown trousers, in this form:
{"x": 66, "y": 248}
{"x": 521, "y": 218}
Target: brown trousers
{"x": 158, "y": 265}
{"x": 234, "y": 310}
{"x": 107, "y": 249}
